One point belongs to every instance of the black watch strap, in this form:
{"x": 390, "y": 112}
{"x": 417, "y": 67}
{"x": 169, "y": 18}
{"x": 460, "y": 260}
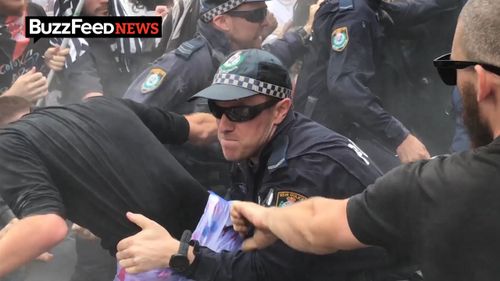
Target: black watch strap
{"x": 184, "y": 242}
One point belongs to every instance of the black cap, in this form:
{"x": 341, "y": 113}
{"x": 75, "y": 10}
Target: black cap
{"x": 211, "y": 8}
{"x": 247, "y": 73}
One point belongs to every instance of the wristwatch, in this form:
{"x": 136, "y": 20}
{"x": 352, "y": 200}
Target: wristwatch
{"x": 180, "y": 261}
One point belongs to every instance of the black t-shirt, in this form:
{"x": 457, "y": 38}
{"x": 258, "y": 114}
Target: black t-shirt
{"x": 444, "y": 212}
{"x": 93, "y": 162}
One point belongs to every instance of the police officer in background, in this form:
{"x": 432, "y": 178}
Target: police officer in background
{"x": 224, "y": 26}
{"x": 280, "y": 157}
{"x": 337, "y": 85}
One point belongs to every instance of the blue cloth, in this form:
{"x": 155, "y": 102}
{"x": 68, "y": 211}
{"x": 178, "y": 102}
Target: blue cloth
{"x": 214, "y": 231}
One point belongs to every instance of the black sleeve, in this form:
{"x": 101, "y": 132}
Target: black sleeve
{"x": 81, "y": 77}
{"x": 26, "y": 184}
{"x": 391, "y": 212}
{"x": 323, "y": 177}
{"x": 351, "y": 72}
{"x": 410, "y": 13}
{"x": 6, "y": 214}
{"x": 288, "y": 49}
{"x": 168, "y": 127}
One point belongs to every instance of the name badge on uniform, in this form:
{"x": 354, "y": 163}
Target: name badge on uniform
{"x": 153, "y": 80}
{"x": 287, "y": 198}
{"x": 340, "y": 38}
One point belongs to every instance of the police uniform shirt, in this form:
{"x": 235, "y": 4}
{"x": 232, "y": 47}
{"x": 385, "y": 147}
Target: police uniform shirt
{"x": 176, "y": 76}
{"x": 442, "y": 212}
{"x": 303, "y": 160}
{"x": 93, "y": 162}
{"x": 338, "y": 78}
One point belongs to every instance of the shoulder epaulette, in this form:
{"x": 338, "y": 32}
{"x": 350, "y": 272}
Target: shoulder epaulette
{"x": 188, "y": 48}
{"x": 345, "y": 5}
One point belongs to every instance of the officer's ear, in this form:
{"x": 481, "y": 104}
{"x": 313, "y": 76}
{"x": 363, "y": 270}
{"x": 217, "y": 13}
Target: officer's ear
{"x": 222, "y": 23}
{"x": 281, "y": 110}
{"x": 484, "y": 83}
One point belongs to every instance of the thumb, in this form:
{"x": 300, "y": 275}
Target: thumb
{"x": 140, "y": 220}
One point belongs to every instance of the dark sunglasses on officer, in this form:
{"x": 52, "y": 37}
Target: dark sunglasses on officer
{"x": 255, "y": 16}
{"x": 240, "y": 113}
{"x": 447, "y": 68}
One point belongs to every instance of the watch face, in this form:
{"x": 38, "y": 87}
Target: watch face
{"x": 179, "y": 263}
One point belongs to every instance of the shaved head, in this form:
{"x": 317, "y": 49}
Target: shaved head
{"x": 479, "y": 31}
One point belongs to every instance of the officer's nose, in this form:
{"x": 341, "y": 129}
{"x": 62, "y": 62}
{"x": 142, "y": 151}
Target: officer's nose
{"x": 225, "y": 125}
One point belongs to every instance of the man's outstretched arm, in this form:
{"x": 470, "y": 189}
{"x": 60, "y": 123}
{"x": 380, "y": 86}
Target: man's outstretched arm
{"x": 317, "y": 225}
{"x": 172, "y": 128}
{"x": 28, "y": 238}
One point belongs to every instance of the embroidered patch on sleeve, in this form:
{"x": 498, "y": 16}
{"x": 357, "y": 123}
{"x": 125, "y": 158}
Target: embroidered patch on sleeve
{"x": 153, "y": 80}
{"x": 340, "y": 38}
{"x": 286, "y": 198}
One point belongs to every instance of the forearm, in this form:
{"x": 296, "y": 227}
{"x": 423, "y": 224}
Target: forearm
{"x": 315, "y": 226}
{"x": 29, "y": 238}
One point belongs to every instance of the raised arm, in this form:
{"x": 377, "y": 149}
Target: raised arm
{"x": 172, "y": 128}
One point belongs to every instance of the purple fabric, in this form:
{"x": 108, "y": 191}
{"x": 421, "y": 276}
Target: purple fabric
{"x": 214, "y": 231}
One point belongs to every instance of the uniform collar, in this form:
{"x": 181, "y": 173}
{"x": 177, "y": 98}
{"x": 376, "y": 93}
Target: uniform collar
{"x": 274, "y": 154}
{"x": 216, "y": 38}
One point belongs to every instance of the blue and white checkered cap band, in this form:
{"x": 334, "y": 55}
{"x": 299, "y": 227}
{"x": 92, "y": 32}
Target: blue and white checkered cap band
{"x": 253, "y": 85}
{"x": 221, "y": 9}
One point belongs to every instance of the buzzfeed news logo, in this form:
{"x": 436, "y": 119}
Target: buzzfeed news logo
{"x": 93, "y": 27}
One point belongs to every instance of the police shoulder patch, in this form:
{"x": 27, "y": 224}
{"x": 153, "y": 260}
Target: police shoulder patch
{"x": 153, "y": 80}
{"x": 286, "y": 198}
{"x": 340, "y": 38}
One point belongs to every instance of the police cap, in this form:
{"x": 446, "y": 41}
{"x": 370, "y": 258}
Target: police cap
{"x": 212, "y": 8}
{"x": 246, "y": 73}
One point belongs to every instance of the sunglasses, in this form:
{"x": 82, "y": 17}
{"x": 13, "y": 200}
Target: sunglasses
{"x": 240, "y": 113}
{"x": 448, "y": 68}
{"x": 255, "y": 16}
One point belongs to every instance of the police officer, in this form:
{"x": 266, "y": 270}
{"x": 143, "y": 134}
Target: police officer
{"x": 224, "y": 26}
{"x": 280, "y": 157}
{"x": 337, "y": 85}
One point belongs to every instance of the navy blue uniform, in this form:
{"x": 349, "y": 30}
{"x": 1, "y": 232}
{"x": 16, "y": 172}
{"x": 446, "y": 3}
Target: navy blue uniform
{"x": 337, "y": 85}
{"x": 176, "y": 76}
{"x": 304, "y": 159}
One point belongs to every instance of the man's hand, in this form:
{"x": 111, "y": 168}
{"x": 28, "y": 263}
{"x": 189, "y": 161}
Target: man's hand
{"x": 411, "y": 149}
{"x": 55, "y": 57}
{"x": 32, "y": 86}
{"x": 270, "y": 26}
{"x": 149, "y": 249}
{"x": 162, "y": 11}
{"x": 202, "y": 128}
{"x": 45, "y": 257}
{"x": 245, "y": 214}
{"x": 312, "y": 12}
